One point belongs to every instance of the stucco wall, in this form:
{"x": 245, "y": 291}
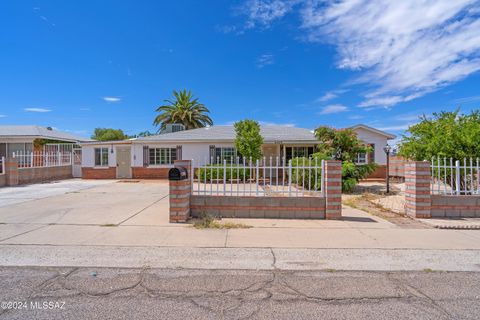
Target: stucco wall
{"x": 373, "y": 138}
{"x": 88, "y": 155}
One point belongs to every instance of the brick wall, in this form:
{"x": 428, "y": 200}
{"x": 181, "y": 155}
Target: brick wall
{"x": 258, "y": 207}
{"x": 333, "y": 189}
{"x": 32, "y": 175}
{"x": 417, "y": 189}
{"x": 455, "y": 206}
{"x": 397, "y": 167}
{"x": 180, "y": 194}
{"x": 3, "y": 180}
{"x": 96, "y": 173}
{"x": 149, "y": 173}
{"x": 183, "y": 203}
{"x": 379, "y": 173}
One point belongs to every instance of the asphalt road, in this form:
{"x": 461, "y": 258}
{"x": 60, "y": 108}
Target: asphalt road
{"x": 114, "y": 293}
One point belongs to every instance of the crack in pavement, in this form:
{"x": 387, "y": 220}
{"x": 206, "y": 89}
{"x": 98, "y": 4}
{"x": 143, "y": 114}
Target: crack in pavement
{"x": 219, "y": 294}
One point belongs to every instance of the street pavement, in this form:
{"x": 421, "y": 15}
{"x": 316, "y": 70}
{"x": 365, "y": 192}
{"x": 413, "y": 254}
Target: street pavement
{"x": 114, "y": 293}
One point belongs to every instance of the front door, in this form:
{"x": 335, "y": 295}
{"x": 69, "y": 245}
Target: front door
{"x": 270, "y": 154}
{"x": 77, "y": 163}
{"x": 124, "y": 170}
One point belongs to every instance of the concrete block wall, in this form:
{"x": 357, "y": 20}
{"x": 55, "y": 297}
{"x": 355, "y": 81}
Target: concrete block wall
{"x": 3, "y": 180}
{"x": 11, "y": 171}
{"x": 449, "y": 206}
{"x": 32, "y": 175}
{"x": 333, "y": 189}
{"x": 258, "y": 207}
{"x": 180, "y": 193}
{"x": 417, "y": 189}
{"x": 183, "y": 204}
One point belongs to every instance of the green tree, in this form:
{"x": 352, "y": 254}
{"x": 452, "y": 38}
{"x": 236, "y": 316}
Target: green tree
{"x": 340, "y": 144}
{"x": 184, "y": 109}
{"x": 344, "y": 145}
{"x": 248, "y": 140}
{"x": 445, "y": 134}
{"x": 108, "y": 134}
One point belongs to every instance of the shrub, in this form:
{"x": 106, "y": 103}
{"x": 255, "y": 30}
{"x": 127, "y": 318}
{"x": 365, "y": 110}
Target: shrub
{"x": 308, "y": 178}
{"x": 216, "y": 172}
{"x": 352, "y": 174}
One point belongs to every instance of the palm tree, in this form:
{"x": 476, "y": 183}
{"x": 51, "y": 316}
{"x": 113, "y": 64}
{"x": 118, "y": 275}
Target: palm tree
{"x": 184, "y": 109}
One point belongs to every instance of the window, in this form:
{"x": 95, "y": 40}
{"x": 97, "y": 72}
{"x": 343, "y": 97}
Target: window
{"x": 298, "y": 152}
{"x": 361, "y": 158}
{"x": 158, "y": 156}
{"x": 101, "y": 157}
{"x": 226, "y": 153}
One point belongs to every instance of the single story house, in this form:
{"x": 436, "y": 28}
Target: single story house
{"x": 153, "y": 156}
{"x": 20, "y": 139}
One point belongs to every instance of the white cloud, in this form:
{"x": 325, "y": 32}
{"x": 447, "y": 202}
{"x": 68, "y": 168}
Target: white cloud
{"x": 400, "y": 127}
{"x": 330, "y": 95}
{"x": 2, "y": 116}
{"x": 265, "y": 60}
{"x": 264, "y": 12}
{"x": 402, "y": 50}
{"x": 112, "y": 99}
{"x": 333, "y": 108}
{"x": 41, "y": 110}
{"x": 467, "y": 99}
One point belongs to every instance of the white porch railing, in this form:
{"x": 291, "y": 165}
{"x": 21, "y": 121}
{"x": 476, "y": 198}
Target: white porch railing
{"x": 299, "y": 177}
{"x": 455, "y": 177}
{"x": 42, "y": 159}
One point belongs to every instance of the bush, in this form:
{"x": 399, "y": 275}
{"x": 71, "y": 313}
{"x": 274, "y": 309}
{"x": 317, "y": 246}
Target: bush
{"x": 310, "y": 179}
{"x": 215, "y": 172}
{"x": 352, "y": 174}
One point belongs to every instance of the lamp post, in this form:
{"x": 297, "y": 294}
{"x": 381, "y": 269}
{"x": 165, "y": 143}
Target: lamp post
{"x": 387, "y": 150}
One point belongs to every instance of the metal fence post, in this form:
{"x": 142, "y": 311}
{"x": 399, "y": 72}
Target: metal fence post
{"x": 256, "y": 177}
{"x": 224, "y": 176}
{"x": 457, "y": 177}
{"x": 290, "y": 177}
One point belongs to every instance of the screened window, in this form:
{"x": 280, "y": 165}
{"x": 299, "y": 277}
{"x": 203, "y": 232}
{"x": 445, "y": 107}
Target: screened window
{"x": 298, "y": 152}
{"x": 158, "y": 156}
{"x": 361, "y": 158}
{"x": 229, "y": 154}
{"x": 101, "y": 157}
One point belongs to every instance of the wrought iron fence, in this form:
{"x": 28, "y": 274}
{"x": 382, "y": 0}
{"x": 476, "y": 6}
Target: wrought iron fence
{"x": 42, "y": 159}
{"x": 455, "y": 177}
{"x": 274, "y": 176}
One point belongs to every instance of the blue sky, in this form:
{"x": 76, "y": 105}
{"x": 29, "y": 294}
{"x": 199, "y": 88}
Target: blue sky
{"x": 77, "y": 65}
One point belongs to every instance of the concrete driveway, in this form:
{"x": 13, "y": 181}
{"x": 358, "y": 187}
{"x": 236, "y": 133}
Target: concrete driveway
{"x": 86, "y": 202}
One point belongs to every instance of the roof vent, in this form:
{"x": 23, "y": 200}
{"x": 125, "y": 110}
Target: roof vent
{"x": 173, "y": 127}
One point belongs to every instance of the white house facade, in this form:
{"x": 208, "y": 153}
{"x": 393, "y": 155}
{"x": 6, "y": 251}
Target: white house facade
{"x": 153, "y": 156}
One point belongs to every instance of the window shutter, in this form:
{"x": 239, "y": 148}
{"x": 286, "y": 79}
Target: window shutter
{"x": 179, "y": 153}
{"x": 145, "y": 156}
{"x": 211, "y": 158}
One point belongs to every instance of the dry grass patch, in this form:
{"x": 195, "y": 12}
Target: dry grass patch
{"x": 209, "y": 222}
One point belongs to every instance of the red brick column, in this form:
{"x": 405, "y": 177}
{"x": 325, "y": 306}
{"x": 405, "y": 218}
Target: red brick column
{"x": 11, "y": 171}
{"x": 333, "y": 189}
{"x": 417, "y": 189}
{"x": 180, "y": 192}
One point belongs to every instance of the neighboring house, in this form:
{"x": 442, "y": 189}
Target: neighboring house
{"x": 20, "y": 139}
{"x": 153, "y": 156}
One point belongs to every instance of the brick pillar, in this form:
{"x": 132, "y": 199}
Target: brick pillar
{"x": 417, "y": 189}
{"x": 180, "y": 192}
{"x": 11, "y": 171}
{"x": 333, "y": 189}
